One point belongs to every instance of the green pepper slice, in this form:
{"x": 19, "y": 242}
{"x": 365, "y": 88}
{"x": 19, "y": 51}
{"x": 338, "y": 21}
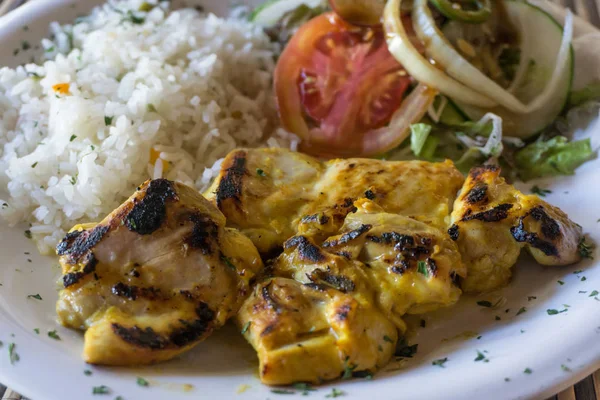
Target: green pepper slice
{"x": 453, "y": 10}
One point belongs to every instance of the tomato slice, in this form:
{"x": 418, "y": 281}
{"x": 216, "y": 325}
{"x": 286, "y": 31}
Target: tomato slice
{"x": 338, "y": 86}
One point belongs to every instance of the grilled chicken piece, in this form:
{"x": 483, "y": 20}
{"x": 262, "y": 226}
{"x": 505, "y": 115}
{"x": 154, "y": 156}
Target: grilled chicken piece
{"x": 400, "y": 264}
{"x": 155, "y": 277}
{"x": 261, "y": 191}
{"x": 493, "y": 221}
{"x": 313, "y": 332}
{"x": 272, "y": 194}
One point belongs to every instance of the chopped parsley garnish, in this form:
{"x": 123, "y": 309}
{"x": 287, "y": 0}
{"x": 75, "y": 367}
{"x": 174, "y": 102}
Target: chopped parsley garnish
{"x": 12, "y": 353}
{"x": 529, "y": 298}
{"x": 145, "y": 7}
{"x": 583, "y": 279}
{"x": 577, "y": 272}
{"x": 304, "y": 387}
{"x": 539, "y": 191}
{"x": 36, "y": 330}
{"x": 260, "y": 172}
{"x": 481, "y": 357}
{"x": 53, "y": 335}
{"x": 50, "y": 49}
{"x": 73, "y": 137}
{"x": 150, "y": 107}
{"x": 348, "y": 369}
{"x": 422, "y": 268}
{"x": 484, "y": 303}
{"x": 565, "y": 368}
{"x": 142, "y": 382}
{"x": 245, "y": 328}
{"x": 506, "y": 379}
{"x": 34, "y": 296}
{"x": 552, "y": 311}
{"x": 25, "y": 45}
{"x": 335, "y": 393}
{"x": 282, "y": 391}
{"x": 134, "y": 19}
{"x": 73, "y": 180}
{"x": 34, "y": 164}
{"x": 522, "y": 331}
{"x": 594, "y": 293}
{"x": 403, "y": 350}
{"x": 521, "y": 310}
{"x": 561, "y": 283}
{"x": 27, "y": 234}
{"x": 440, "y": 362}
{"x": 108, "y": 120}
{"x": 585, "y": 249}
{"x": 228, "y": 262}
{"x": 527, "y": 371}
{"x": 87, "y": 372}
{"x": 100, "y": 390}
{"x": 119, "y": 398}
{"x": 497, "y": 318}
{"x": 387, "y": 339}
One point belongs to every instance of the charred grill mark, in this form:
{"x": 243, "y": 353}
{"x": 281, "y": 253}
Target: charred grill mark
{"x": 189, "y": 332}
{"x": 496, "y": 214}
{"x": 230, "y": 186}
{"x": 204, "y": 233}
{"x": 522, "y": 236}
{"x": 141, "y": 337}
{"x": 267, "y": 330}
{"x": 433, "y": 268}
{"x": 192, "y": 331}
{"x": 133, "y": 292}
{"x": 344, "y": 254}
{"x": 455, "y": 278}
{"x": 477, "y": 194}
{"x": 453, "y": 232}
{"x": 370, "y": 195}
{"x": 339, "y": 282}
{"x": 550, "y": 228}
{"x": 401, "y": 267}
{"x": 393, "y": 237}
{"x": 72, "y": 278}
{"x": 306, "y": 249}
{"x": 342, "y": 312}
{"x": 273, "y": 305}
{"x": 149, "y": 213}
{"x": 78, "y": 243}
{"x": 187, "y": 294}
{"x": 349, "y": 236}
{"x": 321, "y": 218}
{"x": 476, "y": 172}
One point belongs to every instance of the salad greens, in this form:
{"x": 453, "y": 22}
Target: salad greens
{"x": 448, "y": 134}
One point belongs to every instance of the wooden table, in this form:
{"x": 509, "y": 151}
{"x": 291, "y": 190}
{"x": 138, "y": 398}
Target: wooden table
{"x": 587, "y": 389}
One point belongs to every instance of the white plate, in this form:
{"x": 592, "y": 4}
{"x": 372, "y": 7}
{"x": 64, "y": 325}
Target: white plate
{"x": 218, "y": 368}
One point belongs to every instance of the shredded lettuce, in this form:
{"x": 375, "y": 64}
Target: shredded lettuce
{"x": 588, "y": 93}
{"x": 556, "y": 156}
{"x": 418, "y": 137}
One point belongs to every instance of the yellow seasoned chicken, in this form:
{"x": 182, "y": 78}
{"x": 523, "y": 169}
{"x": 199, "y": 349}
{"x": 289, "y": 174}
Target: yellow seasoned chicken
{"x": 271, "y": 194}
{"x": 387, "y": 264}
{"x": 493, "y": 221}
{"x": 313, "y": 332}
{"x": 155, "y": 277}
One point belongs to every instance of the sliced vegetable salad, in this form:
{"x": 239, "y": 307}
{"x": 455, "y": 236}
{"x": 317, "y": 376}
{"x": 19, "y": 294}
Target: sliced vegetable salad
{"x": 467, "y": 80}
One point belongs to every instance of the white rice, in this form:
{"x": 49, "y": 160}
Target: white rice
{"x": 190, "y": 86}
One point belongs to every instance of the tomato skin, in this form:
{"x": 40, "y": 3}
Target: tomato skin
{"x": 337, "y": 84}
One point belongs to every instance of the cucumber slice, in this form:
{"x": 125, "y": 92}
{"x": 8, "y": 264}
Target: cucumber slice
{"x": 541, "y": 37}
{"x": 270, "y": 12}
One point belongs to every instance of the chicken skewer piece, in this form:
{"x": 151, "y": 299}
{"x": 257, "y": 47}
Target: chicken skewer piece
{"x": 155, "y": 277}
{"x": 493, "y": 221}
